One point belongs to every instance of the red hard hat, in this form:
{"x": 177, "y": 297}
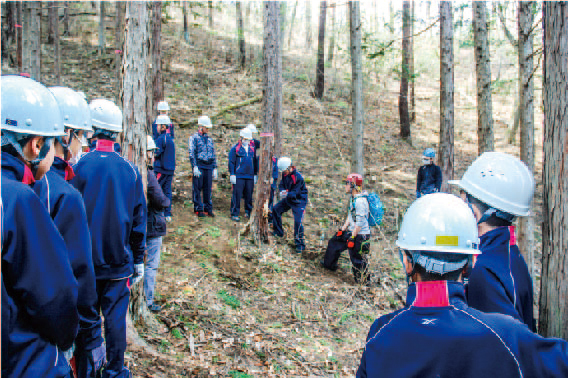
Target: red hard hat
{"x": 355, "y": 178}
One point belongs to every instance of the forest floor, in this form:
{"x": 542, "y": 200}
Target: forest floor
{"x": 231, "y": 308}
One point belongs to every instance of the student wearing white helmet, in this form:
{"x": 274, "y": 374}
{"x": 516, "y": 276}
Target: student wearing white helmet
{"x": 113, "y": 193}
{"x": 165, "y": 160}
{"x": 294, "y": 194}
{"x": 204, "y": 162}
{"x": 65, "y": 205}
{"x": 498, "y": 188}
{"x": 254, "y": 131}
{"x": 437, "y": 334}
{"x": 243, "y": 171}
{"x": 39, "y": 289}
{"x": 156, "y": 227}
{"x": 163, "y": 110}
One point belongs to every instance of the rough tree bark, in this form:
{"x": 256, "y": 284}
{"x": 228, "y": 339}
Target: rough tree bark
{"x": 308, "y": 5}
{"x": 404, "y": 73}
{"x": 52, "y": 15}
{"x": 292, "y": 23}
{"x": 332, "y": 33}
{"x": 31, "y": 47}
{"x": 66, "y": 18}
{"x": 446, "y": 145}
{"x": 133, "y": 94}
{"x": 9, "y": 28}
{"x": 553, "y": 309}
{"x": 356, "y": 87}
{"x": 120, "y": 7}
{"x": 156, "y": 92}
{"x": 57, "y": 51}
{"x": 241, "y": 36}
{"x": 320, "y": 65}
{"x": 411, "y": 66}
{"x": 19, "y": 32}
{"x": 101, "y": 46}
{"x": 485, "y": 140}
{"x": 271, "y": 114}
{"x": 526, "y": 117}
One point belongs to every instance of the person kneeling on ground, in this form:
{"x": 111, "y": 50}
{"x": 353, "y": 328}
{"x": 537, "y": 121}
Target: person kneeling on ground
{"x": 354, "y": 235}
{"x": 294, "y": 195}
{"x": 156, "y": 227}
{"x": 437, "y": 334}
{"x": 243, "y": 170}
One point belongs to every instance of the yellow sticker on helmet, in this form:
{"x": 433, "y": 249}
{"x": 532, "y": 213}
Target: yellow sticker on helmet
{"x": 447, "y": 240}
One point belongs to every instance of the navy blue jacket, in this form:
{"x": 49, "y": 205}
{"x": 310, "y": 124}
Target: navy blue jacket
{"x": 156, "y": 134}
{"x": 256, "y": 144}
{"x": 202, "y": 151}
{"x": 438, "y": 335}
{"x": 165, "y": 161}
{"x": 274, "y": 172}
{"x": 157, "y": 202}
{"x": 39, "y": 290}
{"x": 500, "y": 280}
{"x": 429, "y": 180}
{"x": 243, "y": 164}
{"x": 296, "y": 187}
{"x": 67, "y": 210}
{"x": 116, "y": 210}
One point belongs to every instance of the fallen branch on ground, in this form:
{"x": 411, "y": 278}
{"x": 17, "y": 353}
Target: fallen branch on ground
{"x": 224, "y": 110}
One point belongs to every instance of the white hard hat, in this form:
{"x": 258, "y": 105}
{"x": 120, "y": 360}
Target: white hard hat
{"x": 28, "y": 107}
{"x": 163, "y": 106}
{"x": 204, "y": 121}
{"x": 501, "y": 181}
{"x": 284, "y": 163}
{"x": 246, "y": 133}
{"x": 150, "y": 144}
{"x": 439, "y": 222}
{"x": 106, "y": 115}
{"x": 163, "y": 120}
{"x": 252, "y": 128}
{"x": 74, "y": 108}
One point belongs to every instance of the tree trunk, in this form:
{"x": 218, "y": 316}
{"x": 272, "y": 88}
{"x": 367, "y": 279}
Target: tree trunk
{"x": 134, "y": 66}
{"x": 19, "y": 32}
{"x": 283, "y": 12}
{"x": 553, "y": 309}
{"x": 332, "y": 34}
{"x": 210, "y": 14}
{"x": 357, "y": 164}
{"x": 292, "y": 23}
{"x": 271, "y": 114}
{"x": 308, "y": 25}
{"x": 411, "y": 67}
{"x": 31, "y": 48}
{"x": 485, "y": 140}
{"x": 57, "y": 52}
{"x": 320, "y": 66}
{"x": 404, "y": 73}
{"x": 241, "y": 36}
{"x": 526, "y": 118}
{"x": 119, "y": 31}
{"x": 156, "y": 92}
{"x": 52, "y": 14}
{"x": 101, "y": 27}
{"x": 186, "y": 22}
{"x": 446, "y": 145}
{"x": 66, "y": 19}
{"x": 503, "y": 21}
{"x": 9, "y": 32}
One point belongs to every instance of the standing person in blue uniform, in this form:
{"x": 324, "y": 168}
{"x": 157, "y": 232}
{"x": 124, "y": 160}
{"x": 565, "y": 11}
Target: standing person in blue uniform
{"x": 429, "y": 178}
{"x": 157, "y": 203}
{"x": 163, "y": 109}
{"x": 437, "y": 334}
{"x": 294, "y": 194}
{"x": 113, "y": 193}
{"x": 272, "y": 187}
{"x": 243, "y": 171}
{"x": 39, "y": 290}
{"x": 67, "y": 210}
{"x": 355, "y": 233}
{"x": 165, "y": 163}
{"x": 204, "y": 162}
{"x": 499, "y": 187}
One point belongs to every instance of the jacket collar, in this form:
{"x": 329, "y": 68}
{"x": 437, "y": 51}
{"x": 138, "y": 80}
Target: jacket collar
{"x": 104, "y": 145}
{"x": 62, "y": 168}
{"x": 436, "y": 294}
{"x": 15, "y": 169}
{"x": 500, "y": 236}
